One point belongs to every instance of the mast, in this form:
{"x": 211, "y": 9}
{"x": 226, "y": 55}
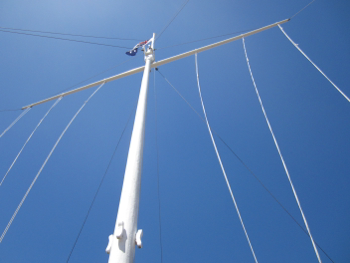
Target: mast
{"x": 121, "y": 246}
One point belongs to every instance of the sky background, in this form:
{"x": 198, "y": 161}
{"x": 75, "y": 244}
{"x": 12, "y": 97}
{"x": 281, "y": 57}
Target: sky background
{"x": 199, "y": 223}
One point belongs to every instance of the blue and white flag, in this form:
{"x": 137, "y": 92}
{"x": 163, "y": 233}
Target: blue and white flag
{"x": 134, "y": 50}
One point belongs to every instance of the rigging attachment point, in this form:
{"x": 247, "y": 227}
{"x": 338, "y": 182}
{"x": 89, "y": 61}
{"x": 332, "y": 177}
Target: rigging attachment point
{"x": 119, "y": 231}
{"x": 138, "y": 237}
{"x": 110, "y": 242}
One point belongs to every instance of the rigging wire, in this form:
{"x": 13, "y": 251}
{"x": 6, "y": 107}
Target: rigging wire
{"x": 70, "y": 87}
{"x": 94, "y": 76}
{"x": 15, "y": 121}
{"x": 65, "y": 34}
{"x": 280, "y": 154}
{"x": 302, "y": 9}
{"x": 229, "y": 33}
{"x": 158, "y": 185}
{"x": 66, "y": 39}
{"x": 43, "y": 165}
{"x": 181, "y": 44}
{"x": 297, "y": 47}
{"x": 270, "y": 193}
{"x": 244, "y": 164}
{"x": 222, "y": 166}
{"x": 173, "y": 18}
{"x": 30, "y": 136}
{"x": 98, "y": 189}
{"x": 11, "y": 110}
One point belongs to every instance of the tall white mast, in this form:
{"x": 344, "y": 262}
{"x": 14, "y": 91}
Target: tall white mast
{"x": 121, "y": 246}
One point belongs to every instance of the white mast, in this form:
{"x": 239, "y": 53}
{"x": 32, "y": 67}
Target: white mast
{"x": 121, "y": 246}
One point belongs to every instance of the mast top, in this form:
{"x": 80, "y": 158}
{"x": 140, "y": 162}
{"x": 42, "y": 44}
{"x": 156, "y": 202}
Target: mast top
{"x": 149, "y": 51}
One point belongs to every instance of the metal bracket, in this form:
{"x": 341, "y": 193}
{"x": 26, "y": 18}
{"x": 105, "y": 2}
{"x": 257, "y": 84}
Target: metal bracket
{"x": 149, "y": 54}
{"x": 110, "y": 243}
{"x": 138, "y": 237}
{"x": 119, "y": 231}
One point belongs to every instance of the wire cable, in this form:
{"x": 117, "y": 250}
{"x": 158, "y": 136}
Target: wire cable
{"x": 94, "y": 76}
{"x": 297, "y": 47}
{"x": 158, "y": 185}
{"x": 302, "y": 9}
{"x": 30, "y": 136}
{"x": 43, "y": 165}
{"x": 66, "y": 39}
{"x": 171, "y": 20}
{"x": 280, "y": 154}
{"x": 70, "y": 87}
{"x": 65, "y": 34}
{"x": 18, "y": 109}
{"x": 222, "y": 166}
{"x": 15, "y": 121}
{"x": 244, "y": 164}
{"x": 238, "y": 32}
{"x": 98, "y": 190}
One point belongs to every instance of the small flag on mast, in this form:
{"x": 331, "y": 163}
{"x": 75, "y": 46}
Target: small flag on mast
{"x": 134, "y": 50}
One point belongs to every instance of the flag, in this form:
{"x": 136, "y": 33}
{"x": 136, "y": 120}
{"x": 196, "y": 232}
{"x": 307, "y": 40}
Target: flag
{"x": 134, "y": 50}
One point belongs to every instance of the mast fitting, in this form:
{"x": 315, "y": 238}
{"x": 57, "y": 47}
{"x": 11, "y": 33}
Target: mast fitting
{"x": 138, "y": 237}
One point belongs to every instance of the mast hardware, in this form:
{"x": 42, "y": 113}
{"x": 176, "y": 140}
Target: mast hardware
{"x": 110, "y": 242}
{"x": 119, "y": 231}
{"x": 118, "y": 234}
{"x": 149, "y": 53}
{"x": 138, "y": 237}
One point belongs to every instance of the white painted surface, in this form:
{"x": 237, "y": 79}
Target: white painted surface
{"x": 122, "y": 248}
{"x": 158, "y": 63}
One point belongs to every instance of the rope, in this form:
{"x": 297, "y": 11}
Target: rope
{"x": 246, "y": 166}
{"x": 14, "y": 122}
{"x": 171, "y": 20}
{"x": 66, "y": 39}
{"x": 222, "y": 167}
{"x": 98, "y": 190}
{"x": 280, "y": 154}
{"x": 42, "y": 167}
{"x": 158, "y": 186}
{"x": 64, "y": 34}
{"x": 342, "y": 93}
{"x": 30, "y": 136}
{"x": 302, "y": 9}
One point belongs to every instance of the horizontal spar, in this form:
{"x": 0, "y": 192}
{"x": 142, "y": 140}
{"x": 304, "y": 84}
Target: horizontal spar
{"x": 156, "y": 64}
{"x": 198, "y": 50}
{"x": 115, "y": 77}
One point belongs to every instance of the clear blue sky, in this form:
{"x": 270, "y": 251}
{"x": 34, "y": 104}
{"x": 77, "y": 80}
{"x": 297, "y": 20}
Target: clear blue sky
{"x": 199, "y": 223}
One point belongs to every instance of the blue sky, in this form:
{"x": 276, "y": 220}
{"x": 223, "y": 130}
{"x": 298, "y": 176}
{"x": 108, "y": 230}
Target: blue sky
{"x": 199, "y": 223}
